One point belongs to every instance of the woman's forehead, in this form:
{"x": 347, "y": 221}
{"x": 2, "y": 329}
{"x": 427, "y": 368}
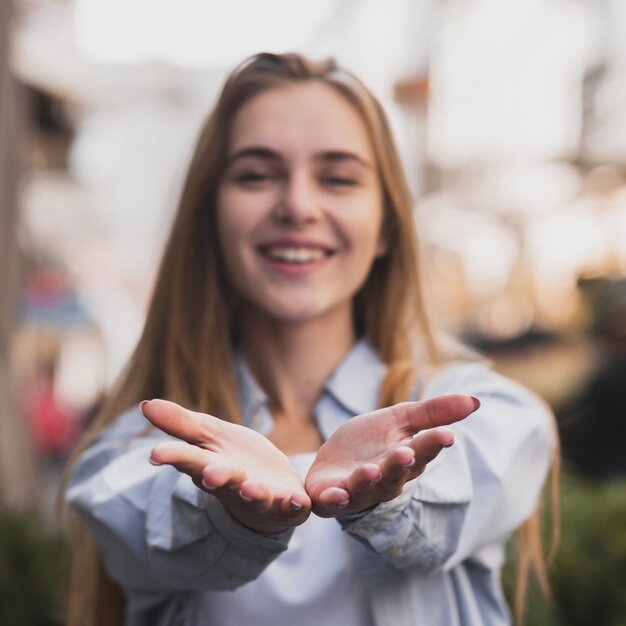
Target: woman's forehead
{"x": 310, "y": 117}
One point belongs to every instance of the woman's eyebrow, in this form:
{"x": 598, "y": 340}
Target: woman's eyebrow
{"x": 267, "y": 154}
{"x": 258, "y": 152}
{"x": 334, "y": 156}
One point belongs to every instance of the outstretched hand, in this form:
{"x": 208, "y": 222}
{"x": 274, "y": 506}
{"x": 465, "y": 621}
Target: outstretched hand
{"x": 366, "y": 461}
{"x": 250, "y": 476}
{"x": 370, "y": 457}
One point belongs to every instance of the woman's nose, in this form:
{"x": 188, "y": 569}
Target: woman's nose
{"x": 298, "y": 201}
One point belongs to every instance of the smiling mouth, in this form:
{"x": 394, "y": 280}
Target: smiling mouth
{"x": 297, "y": 255}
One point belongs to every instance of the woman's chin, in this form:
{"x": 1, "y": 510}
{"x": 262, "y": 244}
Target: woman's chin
{"x": 298, "y": 312}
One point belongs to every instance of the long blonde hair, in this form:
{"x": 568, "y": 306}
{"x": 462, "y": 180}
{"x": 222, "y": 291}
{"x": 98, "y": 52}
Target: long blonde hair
{"x": 185, "y": 352}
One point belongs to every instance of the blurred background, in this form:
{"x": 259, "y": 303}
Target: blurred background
{"x": 511, "y": 119}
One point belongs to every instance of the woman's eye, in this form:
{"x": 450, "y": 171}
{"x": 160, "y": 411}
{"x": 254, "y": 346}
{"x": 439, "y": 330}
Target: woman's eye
{"x": 340, "y": 181}
{"x": 253, "y": 177}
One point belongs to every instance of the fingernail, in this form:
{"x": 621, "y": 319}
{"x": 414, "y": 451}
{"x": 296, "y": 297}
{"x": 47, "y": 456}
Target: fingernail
{"x": 476, "y": 402}
{"x": 342, "y": 505}
{"x": 155, "y": 463}
{"x": 448, "y": 445}
{"x": 411, "y": 464}
{"x": 244, "y": 497}
{"x": 142, "y": 404}
{"x": 296, "y": 506}
{"x": 208, "y": 487}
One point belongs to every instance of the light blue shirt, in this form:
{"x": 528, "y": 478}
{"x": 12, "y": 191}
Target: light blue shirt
{"x": 431, "y": 557}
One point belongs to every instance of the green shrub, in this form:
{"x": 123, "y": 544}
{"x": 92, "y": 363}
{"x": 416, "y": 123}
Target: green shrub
{"x": 32, "y": 573}
{"x": 589, "y": 572}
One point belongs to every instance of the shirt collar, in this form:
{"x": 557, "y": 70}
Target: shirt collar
{"x": 355, "y": 384}
{"x": 251, "y": 397}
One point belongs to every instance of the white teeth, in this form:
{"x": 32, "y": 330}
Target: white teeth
{"x": 295, "y": 255}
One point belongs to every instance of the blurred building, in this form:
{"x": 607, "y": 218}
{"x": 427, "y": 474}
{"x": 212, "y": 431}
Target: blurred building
{"x": 508, "y": 115}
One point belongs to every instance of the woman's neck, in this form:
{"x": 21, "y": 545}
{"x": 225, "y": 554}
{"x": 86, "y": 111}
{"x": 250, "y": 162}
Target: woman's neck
{"x": 292, "y": 360}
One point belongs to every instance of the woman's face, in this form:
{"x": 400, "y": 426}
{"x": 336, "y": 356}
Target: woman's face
{"x": 300, "y": 204}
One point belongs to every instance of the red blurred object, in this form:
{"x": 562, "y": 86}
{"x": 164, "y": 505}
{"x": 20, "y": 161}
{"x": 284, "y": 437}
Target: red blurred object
{"x": 52, "y": 425}
{"x": 47, "y": 288}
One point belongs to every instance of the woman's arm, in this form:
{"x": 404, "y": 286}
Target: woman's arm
{"x": 476, "y": 492}
{"x": 157, "y": 531}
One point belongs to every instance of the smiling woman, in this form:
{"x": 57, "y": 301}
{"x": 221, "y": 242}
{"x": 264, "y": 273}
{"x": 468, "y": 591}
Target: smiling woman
{"x": 308, "y": 436}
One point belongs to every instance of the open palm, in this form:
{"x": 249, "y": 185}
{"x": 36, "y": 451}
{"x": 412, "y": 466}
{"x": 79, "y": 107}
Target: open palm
{"x": 252, "y": 478}
{"x": 370, "y": 457}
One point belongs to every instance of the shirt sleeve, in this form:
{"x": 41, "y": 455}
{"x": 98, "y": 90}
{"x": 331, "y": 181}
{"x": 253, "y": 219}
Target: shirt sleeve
{"x": 157, "y": 532}
{"x": 474, "y": 494}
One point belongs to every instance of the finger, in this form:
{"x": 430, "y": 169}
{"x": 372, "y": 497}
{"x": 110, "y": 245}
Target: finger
{"x": 362, "y": 479}
{"x": 183, "y": 456}
{"x": 397, "y": 469}
{"x": 427, "y": 445}
{"x": 179, "y": 422}
{"x": 409, "y": 461}
{"x": 296, "y": 504}
{"x": 331, "y": 501}
{"x": 258, "y": 496}
{"x": 413, "y": 417}
{"x": 223, "y": 474}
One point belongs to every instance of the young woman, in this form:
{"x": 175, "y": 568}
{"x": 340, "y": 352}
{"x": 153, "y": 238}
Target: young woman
{"x": 297, "y": 462}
